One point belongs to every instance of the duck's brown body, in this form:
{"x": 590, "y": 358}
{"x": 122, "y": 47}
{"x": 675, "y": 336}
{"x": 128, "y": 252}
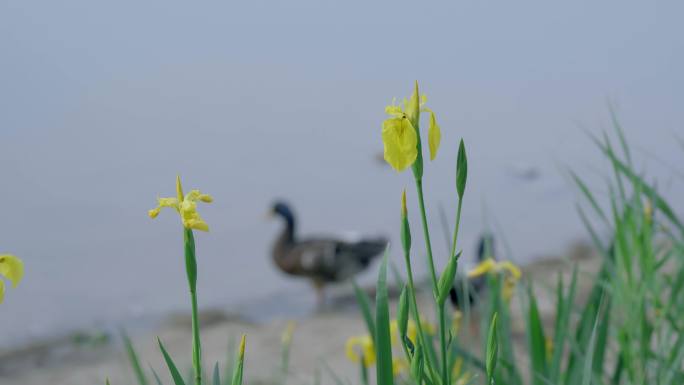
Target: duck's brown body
{"x": 327, "y": 260}
{"x": 323, "y": 260}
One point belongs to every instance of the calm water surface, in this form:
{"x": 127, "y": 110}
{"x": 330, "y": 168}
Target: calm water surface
{"x": 252, "y": 103}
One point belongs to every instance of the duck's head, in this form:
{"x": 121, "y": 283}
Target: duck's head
{"x": 282, "y": 210}
{"x": 485, "y": 247}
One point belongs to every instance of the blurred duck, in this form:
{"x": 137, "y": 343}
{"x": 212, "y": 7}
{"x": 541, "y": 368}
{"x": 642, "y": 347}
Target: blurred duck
{"x": 323, "y": 260}
{"x": 457, "y": 294}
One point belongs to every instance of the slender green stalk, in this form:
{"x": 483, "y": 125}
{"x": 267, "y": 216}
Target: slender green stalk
{"x": 196, "y": 349}
{"x": 442, "y": 344}
{"x": 364, "y": 370}
{"x": 458, "y": 223}
{"x": 414, "y": 304}
{"x": 191, "y": 270}
{"x": 431, "y": 264}
{"x": 442, "y": 315}
{"x": 426, "y": 234}
{"x": 133, "y": 358}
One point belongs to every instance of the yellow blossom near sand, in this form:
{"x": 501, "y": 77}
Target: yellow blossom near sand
{"x": 359, "y": 347}
{"x": 185, "y": 206}
{"x": 490, "y": 265}
{"x": 286, "y": 336}
{"x": 511, "y": 273}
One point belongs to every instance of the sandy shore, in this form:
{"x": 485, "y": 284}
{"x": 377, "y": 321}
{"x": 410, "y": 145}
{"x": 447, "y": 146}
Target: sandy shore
{"x": 318, "y": 341}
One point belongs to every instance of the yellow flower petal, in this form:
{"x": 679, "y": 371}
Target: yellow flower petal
{"x": 286, "y": 337}
{"x": 508, "y": 288}
{"x": 434, "y": 136}
{"x": 413, "y": 106}
{"x": 12, "y": 268}
{"x": 411, "y": 331}
{"x": 394, "y": 111}
{"x": 648, "y": 211}
{"x": 349, "y": 349}
{"x": 162, "y": 203}
{"x": 394, "y": 332}
{"x": 456, "y": 369}
{"x": 400, "y": 141}
{"x": 357, "y": 346}
{"x": 399, "y": 365}
{"x": 509, "y": 280}
{"x": 196, "y": 224}
{"x": 168, "y": 202}
{"x": 404, "y": 211}
{"x": 483, "y": 268}
{"x": 192, "y": 196}
{"x": 456, "y": 322}
{"x": 196, "y": 195}
{"x": 242, "y": 347}
{"x": 513, "y": 269}
{"x": 179, "y": 189}
{"x": 186, "y": 206}
{"x": 464, "y": 379}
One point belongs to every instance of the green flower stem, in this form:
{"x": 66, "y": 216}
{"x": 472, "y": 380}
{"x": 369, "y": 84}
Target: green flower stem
{"x": 196, "y": 349}
{"x": 442, "y": 320}
{"x": 191, "y": 270}
{"x": 428, "y": 247}
{"x": 458, "y": 222}
{"x": 442, "y": 344}
{"x": 426, "y": 234}
{"x": 414, "y": 306}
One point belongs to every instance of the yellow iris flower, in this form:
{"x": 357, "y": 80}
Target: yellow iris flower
{"x": 489, "y": 265}
{"x": 399, "y": 365}
{"x": 11, "y": 268}
{"x": 434, "y": 135}
{"x": 286, "y": 337}
{"x": 400, "y": 132}
{"x": 456, "y": 322}
{"x": 185, "y": 206}
{"x": 511, "y": 271}
{"x": 361, "y": 346}
{"x": 411, "y": 330}
{"x": 459, "y": 376}
{"x": 401, "y": 141}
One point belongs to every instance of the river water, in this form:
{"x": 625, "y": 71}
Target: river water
{"x": 101, "y": 107}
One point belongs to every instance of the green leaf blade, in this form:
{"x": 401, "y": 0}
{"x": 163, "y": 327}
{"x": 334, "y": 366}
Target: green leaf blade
{"x": 175, "y": 374}
{"x": 382, "y": 324}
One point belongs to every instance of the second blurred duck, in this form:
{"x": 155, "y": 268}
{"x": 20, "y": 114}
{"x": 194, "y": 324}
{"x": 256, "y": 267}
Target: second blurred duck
{"x": 473, "y": 287}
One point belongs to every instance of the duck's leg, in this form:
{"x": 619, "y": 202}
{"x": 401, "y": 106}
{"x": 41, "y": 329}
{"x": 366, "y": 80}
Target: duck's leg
{"x": 320, "y": 292}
